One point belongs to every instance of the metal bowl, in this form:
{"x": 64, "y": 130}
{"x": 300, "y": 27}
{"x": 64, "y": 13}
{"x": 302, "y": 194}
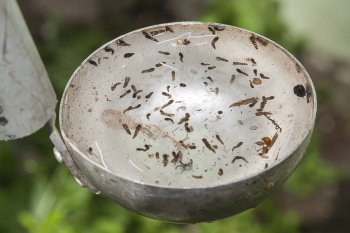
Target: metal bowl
{"x": 188, "y": 122}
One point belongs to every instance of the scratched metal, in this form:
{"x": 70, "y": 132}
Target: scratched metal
{"x": 188, "y": 106}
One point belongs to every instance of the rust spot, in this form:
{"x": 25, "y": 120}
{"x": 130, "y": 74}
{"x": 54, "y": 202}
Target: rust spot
{"x": 114, "y": 118}
{"x": 157, "y": 155}
{"x": 197, "y": 177}
{"x": 148, "y": 115}
{"x": 211, "y": 67}
{"x": 182, "y": 85}
{"x": 255, "y": 72}
{"x": 172, "y": 75}
{"x": 204, "y": 64}
{"x": 268, "y": 185}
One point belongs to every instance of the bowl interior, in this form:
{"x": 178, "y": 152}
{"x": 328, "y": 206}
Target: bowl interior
{"x": 188, "y": 105}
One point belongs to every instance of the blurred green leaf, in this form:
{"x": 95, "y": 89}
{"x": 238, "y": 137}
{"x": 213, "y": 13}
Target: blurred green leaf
{"x": 313, "y": 171}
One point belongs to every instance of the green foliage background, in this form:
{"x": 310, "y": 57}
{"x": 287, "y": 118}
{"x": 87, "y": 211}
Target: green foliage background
{"x": 38, "y": 195}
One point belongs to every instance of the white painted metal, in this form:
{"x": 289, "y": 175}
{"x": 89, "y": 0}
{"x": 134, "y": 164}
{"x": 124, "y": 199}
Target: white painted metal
{"x": 27, "y": 99}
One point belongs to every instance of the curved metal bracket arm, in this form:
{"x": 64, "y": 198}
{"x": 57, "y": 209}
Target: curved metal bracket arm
{"x": 62, "y": 155}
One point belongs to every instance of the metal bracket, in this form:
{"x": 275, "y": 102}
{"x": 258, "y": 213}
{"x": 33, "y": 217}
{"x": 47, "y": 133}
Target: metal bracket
{"x": 62, "y": 155}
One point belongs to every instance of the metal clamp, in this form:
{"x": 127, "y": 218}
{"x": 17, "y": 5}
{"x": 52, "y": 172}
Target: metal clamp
{"x": 62, "y": 155}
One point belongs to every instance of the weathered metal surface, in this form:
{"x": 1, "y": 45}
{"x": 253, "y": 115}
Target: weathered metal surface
{"x": 27, "y": 99}
{"x": 188, "y": 122}
{"x": 62, "y": 155}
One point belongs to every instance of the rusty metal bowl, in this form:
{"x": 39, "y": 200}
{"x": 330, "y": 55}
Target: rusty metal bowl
{"x": 188, "y": 122}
